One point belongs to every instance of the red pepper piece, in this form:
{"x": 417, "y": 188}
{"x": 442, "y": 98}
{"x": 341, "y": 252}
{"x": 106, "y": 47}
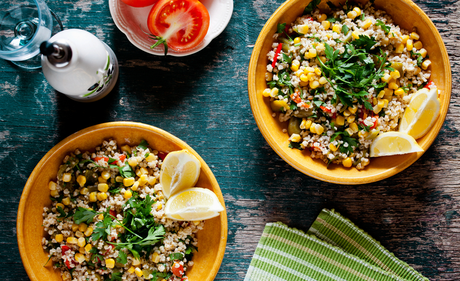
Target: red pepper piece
{"x": 325, "y": 109}
{"x": 101, "y": 157}
{"x": 275, "y": 58}
{"x": 429, "y": 84}
{"x": 162, "y": 155}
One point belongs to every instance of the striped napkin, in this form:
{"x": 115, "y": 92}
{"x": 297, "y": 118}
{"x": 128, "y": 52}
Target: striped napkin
{"x": 332, "y": 249}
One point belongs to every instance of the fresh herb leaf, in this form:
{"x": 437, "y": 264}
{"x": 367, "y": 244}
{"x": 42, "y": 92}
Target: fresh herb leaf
{"x": 126, "y": 171}
{"x": 295, "y": 145}
{"x": 84, "y": 215}
{"x": 384, "y": 27}
{"x": 176, "y": 256}
{"x": 311, "y": 6}
{"x": 281, "y": 27}
{"x": 364, "y": 42}
{"x": 287, "y": 58}
{"x": 61, "y": 212}
{"x": 345, "y": 29}
{"x": 122, "y": 257}
{"x": 332, "y": 19}
{"x": 144, "y": 144}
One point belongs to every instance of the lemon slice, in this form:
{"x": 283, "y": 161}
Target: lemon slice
{"x": 180, "y": 170}
{"x": 394, "y": 143}
{"x": 193, "y": 204}
{"x": 421, "y": 113}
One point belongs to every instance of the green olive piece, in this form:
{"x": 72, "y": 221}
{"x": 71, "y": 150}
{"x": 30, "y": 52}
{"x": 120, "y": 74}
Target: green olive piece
{"x": 294, "y": 126}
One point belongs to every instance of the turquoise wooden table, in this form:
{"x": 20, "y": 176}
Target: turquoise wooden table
{"x": 203, "y": 100}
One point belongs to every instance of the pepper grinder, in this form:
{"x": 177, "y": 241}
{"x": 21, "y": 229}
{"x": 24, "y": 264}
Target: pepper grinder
{"x": 79, "y": 65}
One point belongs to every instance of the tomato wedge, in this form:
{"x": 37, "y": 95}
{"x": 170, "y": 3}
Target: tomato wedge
{"x": 178, "y": 24}
{"x": 139, "y": 3}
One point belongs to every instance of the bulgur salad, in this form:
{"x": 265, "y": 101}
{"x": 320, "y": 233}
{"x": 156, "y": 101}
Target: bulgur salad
{"x": 107, "y": 219}
{"x": 341, "y": 79}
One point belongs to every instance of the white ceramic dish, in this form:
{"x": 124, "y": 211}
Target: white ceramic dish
{"x": 133, "y": 22}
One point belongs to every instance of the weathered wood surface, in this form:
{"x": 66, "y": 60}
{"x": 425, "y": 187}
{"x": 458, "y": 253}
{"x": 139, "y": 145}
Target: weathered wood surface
{"x": 202, "y": 99}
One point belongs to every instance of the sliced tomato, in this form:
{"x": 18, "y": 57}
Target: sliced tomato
{"x": 139, "y": 3}
{"x": 177, "y": 269}
{"x": 178, "y": 24}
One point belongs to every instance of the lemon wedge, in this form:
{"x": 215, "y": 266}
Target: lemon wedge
{"x": 421, "y": 113}
{"x": 193, "y": 204}
{"x": 180, "y": 170}
{"x": 394, "y": 143}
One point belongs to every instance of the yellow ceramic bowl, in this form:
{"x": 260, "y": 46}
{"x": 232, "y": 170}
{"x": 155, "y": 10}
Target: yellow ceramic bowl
{"x": 407, "y": 15}
{"x": 211, "y": 240}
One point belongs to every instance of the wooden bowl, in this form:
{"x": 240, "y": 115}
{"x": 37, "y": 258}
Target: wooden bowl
{"x": 211, "y": 240}
{"x": 407, "y": 15}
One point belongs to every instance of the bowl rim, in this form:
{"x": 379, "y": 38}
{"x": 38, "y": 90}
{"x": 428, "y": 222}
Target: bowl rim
{"x": 280, "y": 150}
{"x": 28, "y": 186}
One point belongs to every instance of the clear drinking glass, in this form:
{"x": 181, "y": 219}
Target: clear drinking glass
{"x": 24, "y": 25}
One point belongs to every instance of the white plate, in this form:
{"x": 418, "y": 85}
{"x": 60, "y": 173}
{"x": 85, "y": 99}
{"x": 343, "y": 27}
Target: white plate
{"x": 133, "y": 22}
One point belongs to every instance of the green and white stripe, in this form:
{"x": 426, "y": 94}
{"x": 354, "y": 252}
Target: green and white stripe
{"x": 285, "y": 253}
{"x": 337, "y": 230}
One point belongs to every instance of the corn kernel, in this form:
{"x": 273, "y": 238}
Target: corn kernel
{"x": 351, "y": 118}
{"x": 303, "y": 29}
{"x": 313, "y": 128}
{"x": 311, "y": 53}
{"x": 126, "y": 148}
{"x": 135, "y": 186}
{"x": 323, "y": 59}
{"x": 376, "y": 109}
{"x": 52, "y": 185}
{"x": 349, "y": 131}
{"x": 357, "y": 10}
{"x": 59, "y": 238}
{"x": 367, "y": 23}
{"x": 414, "y": 36}
{"x": 399, "y": 48}
{"x": 93, "y": 197}
{"x": 110, "y": 263}
{"x": 317, "y": 71}
{"x": 299, "y": 72}
{"x": 60, "y": 205}
{"x": 381, "y": 103}
{"x": 74, "y": 227}
{"x": 381, "y": 94}
{"x": 72, "y": 240}
{"x": 423, "y": 52}
{"x": 79, "y": 234}
{"x": 128, "y": 194}
{"x": 426, "y": 64}
{"x": 84, "y": 191}
{"x": 385, "y": 105}
{"x": 314, "y": 84}
{"x": 322, "y": 17}
{"x": 296, "y": 41}
{"x": 152, "y": 180}
{"x": 404, "y": 39}
{"x": 89, "y": 231}
{"x": 66, "y": 201}
{"x": 273, "y": 94}
{"x": 82, "y": 251}
{"x": 311, "y": 76}
{"x": 399, "y": 92}
{"x": 101, "y": 180}
{"x": 79, "y": 257}
{"x": 340, "y": 120}
{"x": 304, "y": 78}
{"x": 320, "y": 47}
{"x": 131, "y": 269}
{"x": 326, "y": 24}
{"x": 101, "y": 196}
{"x": 322, "y": 80}
{"x": 88, "y": 247}
{"x": 352, "y": 14}
{"x": 395, "y": 74}
{"x": 336, "y": 28}
{"x": 133, "y": 162}
{"x": 151, "y": 157}
{"x": 101, "y": 216}
{"x": 393, "y": 85}
{"x": 159, "y": 206}
{"x": 417, "y": 70}
{"x": 82, "y": 227}
{"x": 155, "y": 257}
{"x": 130, "y": 181}
{"x": 347, "y": 162}
{"x": 119, "y": 179}
{"x": 388, "y": 92}
{"x": 346, "y": 113}
{"x": 418, "y": 45}
{"x": 295, "y": 65}
{"x": 319, "y": 129}
{"x": 138, "y": 272}
{"x": 355, "y": 34}
{"x": 386, "y": 78}
{"x": 81, "y": 242}
{"x": 332, "y": 147}
{"x": 354, "y": 127}
{"x": 266, "y": 92}
{"x": 136, "y": 262}
{"x": 102, "y": 187}
{"x": 409, "y": 45}
{"x": 296, "y": 138}
{"x": 81, "y": 180}
{"x": 353, "y": 109}
{"x": 305, "y": 124}
{"x": 66, "y": 177}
